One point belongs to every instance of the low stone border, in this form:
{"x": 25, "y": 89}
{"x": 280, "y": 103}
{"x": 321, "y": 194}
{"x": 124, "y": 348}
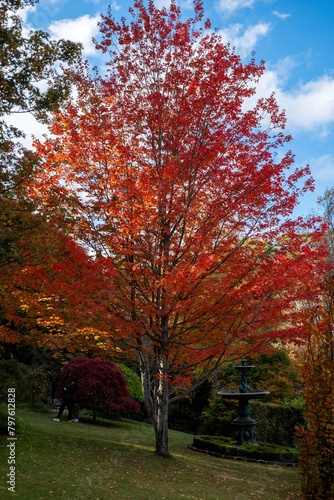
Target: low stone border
{"x": 242, "y": 459}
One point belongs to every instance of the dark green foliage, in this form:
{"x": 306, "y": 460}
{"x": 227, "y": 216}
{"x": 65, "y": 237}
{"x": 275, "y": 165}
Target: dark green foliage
{"x": 216, "y": 418}
{"x": 30, "y": 384}
{"x": 261, "y": 451}
{"x": 276, "y": 423}
{"x": 185, "y": 413}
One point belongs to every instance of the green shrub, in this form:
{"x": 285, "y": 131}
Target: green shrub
{"x": 276, "y": 422}
{"x": 261, "y": 451}
{"x": 216, "y": 419}
{"x": 133, "y": 381}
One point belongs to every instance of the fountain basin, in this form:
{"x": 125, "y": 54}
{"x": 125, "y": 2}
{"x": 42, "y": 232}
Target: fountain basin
{"x": 243, "y": 395}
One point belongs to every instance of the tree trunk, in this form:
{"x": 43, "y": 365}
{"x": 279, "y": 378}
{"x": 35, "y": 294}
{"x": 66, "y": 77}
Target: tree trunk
{"x": 146, "y": 382}
{"x": 156, "y": 398}
{"x": 160, "y": 416}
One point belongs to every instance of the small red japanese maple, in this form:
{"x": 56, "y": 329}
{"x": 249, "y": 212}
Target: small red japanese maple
{"x": 100, "y": 385}
{"x": 167, "y": 172}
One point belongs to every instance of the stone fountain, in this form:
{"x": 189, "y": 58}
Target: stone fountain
{"x": 244, "y": 427}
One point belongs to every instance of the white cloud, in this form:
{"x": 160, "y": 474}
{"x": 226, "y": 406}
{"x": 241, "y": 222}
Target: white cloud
{"x": 284, "y": 67}
{"x": 29, "y": 125}
{"x": 309, "y": 107}
{"x": 231, "y": 6}
{"x": 44, "y": 11}
{"x": 96, "y": 2}
{"x": 24, "y": 13}
{"x": 81, "y": 29}
{"x": 280, "y": 15}
{"x": 244, "y": 42}
{"x": 323, "y": 168}
{"x": 312, "y": 104}
{"x": 187, "y": 4}
{"x": 160, "y": 4}
{"x": 113, "y": 5}
{"x": 184, "y": 4}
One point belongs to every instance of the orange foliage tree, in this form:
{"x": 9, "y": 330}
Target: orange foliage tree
{"x": 40, "y": 297}
{"x": 317, "y": 438}
{"x": 165, "y": 170}
{"x": 27, "y": 59}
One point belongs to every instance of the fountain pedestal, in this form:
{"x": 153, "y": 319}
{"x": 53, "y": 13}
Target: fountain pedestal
{"x": 244, "y": 427}
{"x": 244, "y": 431}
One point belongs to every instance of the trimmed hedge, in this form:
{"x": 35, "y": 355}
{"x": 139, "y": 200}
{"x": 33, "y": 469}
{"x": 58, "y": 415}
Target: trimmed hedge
{"x": 261, "y": 451}
{"x": 276, "y": 422}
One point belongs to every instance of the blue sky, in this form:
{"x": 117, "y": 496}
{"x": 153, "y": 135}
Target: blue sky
{"x": 294, "y": 38}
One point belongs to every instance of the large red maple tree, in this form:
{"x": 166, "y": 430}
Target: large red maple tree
{"x": 164, "y": 169}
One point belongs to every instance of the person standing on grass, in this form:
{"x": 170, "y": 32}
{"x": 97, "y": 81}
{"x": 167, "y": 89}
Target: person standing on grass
{"x": 68, "y": 400}
{"x": 76, "y": 411}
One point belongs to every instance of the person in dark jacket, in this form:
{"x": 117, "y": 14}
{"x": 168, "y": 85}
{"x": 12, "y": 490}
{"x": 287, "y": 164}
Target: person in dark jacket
{"x": 67, "y": 400}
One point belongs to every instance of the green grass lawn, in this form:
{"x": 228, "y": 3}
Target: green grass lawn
{"x": 117, "y": 461}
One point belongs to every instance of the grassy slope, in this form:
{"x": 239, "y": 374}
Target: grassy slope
{"x": 82, "y": 461}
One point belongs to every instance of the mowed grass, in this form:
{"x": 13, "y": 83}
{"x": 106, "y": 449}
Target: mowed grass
{"x": 117, "y": 461}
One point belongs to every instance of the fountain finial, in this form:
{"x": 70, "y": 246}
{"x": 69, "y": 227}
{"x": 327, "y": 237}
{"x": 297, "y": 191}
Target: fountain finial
{"x": 244, "y": 387}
